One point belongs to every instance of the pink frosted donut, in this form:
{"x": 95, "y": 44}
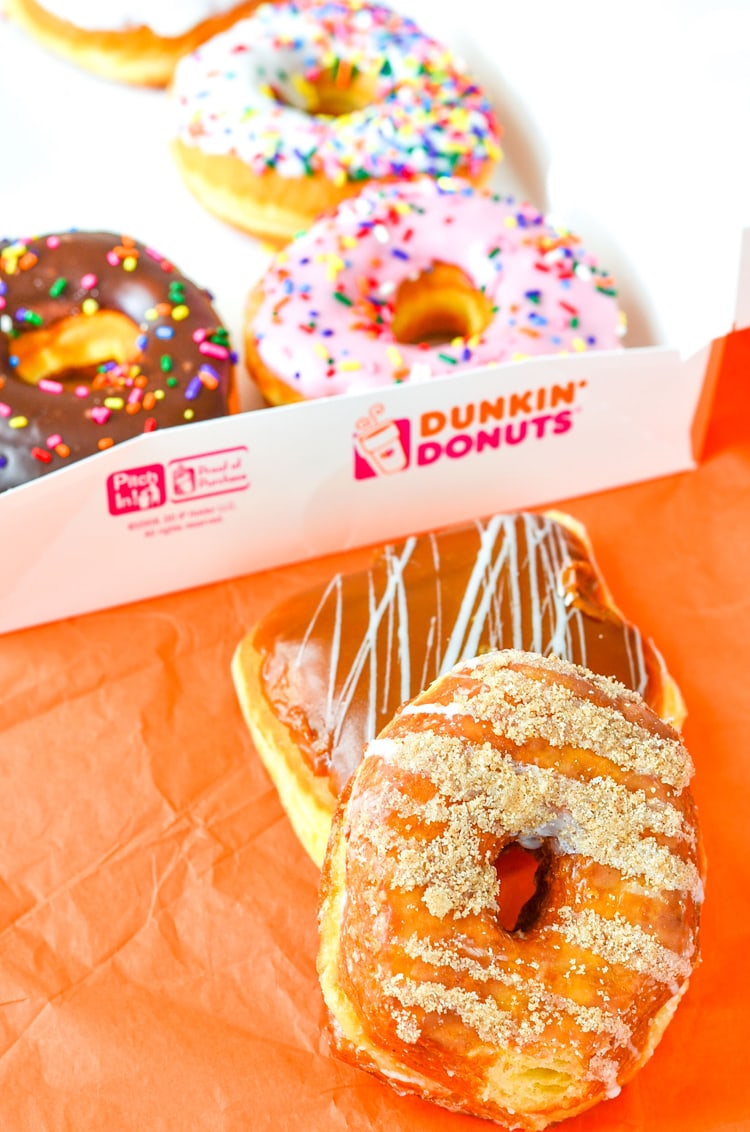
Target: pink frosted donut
{"x": 410, "y": 281}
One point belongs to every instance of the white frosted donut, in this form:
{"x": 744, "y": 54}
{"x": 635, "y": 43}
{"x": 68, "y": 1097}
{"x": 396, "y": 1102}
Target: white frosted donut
{"x": 137, "y": 41}
{"x": 358, "y": 300}
{"x": 303, "y": 101}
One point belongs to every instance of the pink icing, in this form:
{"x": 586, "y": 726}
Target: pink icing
{"x": 324, "y": 325}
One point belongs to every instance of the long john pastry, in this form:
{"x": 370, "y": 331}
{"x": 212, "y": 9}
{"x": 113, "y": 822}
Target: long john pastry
{"x": 323, "y": 672}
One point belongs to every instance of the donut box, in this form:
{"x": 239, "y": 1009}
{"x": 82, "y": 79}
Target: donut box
{"x": 192, "y": 505}
{"x": 187, "y": 506}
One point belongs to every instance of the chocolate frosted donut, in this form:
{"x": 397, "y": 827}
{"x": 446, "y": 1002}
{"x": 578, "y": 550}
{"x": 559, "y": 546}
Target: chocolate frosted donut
{"x": 101, "y": 338}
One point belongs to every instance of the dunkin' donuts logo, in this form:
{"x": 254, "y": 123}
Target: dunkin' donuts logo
{"x": 383, "y": 446}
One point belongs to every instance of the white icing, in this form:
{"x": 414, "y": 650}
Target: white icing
{"x": 368, "y": 648}
{"x": 250, "y": 91}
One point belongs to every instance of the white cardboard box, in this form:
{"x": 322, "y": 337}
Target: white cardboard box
{"x": 191, "y": 505}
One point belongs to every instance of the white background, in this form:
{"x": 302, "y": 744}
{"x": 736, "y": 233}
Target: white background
{"x": 629, "y": 122}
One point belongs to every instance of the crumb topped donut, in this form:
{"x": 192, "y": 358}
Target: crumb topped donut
{"x": 529, "y": 1023}
{"x": 414, "y": 280}
{"x": 101, "y": 338}
{"x": 132, "y": 41}
{"x": 291, "y": 110}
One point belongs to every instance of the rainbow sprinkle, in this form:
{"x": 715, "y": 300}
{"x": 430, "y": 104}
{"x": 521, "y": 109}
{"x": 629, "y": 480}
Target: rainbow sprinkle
{"x": 324, "y": 333}
{"x": 251, "y": 91}
{"x": 49, "y": 419}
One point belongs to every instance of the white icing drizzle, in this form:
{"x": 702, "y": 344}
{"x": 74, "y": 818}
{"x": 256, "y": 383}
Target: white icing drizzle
{"x": 334, "y": 586}
{"x": 637, "y": 663}
{"x": 552, "y": 625}
{"x": 368, "y": 648}
{"x": 455, "y": 648}
{"x": 554, "y": 559}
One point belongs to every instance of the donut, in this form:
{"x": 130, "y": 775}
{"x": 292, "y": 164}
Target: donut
{"x": 538, "y": 1019}
{"x": 131, "y": 41}
{"x": 101, "y": 339}
{"x": 291, "y": 110}
{"x": 324, "y": 670}
{"x": 416, "y": 280}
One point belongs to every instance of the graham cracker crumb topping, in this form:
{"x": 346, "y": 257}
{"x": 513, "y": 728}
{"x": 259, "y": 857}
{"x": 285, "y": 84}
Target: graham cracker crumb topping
{"x": 481, "y": 759}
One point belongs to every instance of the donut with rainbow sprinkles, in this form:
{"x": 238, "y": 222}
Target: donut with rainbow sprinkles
{"x": 288, "y": 112}
{"x": 415, "y": 280}
{"x": 102, "y": 338}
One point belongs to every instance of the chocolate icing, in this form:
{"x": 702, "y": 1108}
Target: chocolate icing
{"x": 182, "y": 370}
{"x": 340, "y": 659}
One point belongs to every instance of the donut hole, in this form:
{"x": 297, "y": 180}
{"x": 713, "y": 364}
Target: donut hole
{"x": 438, "y": 305}
{"x": 332, "y": 94}
{"x": 519, "y": 875}
{"x": 72, "y": 346}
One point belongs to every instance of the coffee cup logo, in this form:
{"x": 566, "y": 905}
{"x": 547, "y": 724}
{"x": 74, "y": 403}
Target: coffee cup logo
{"x": 381, "y": 445}
{"x": 183, "y": 480}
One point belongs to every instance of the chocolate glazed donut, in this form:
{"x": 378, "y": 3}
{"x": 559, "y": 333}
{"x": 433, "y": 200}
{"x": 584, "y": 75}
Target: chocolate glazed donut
{"x": 101, "y": 338}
